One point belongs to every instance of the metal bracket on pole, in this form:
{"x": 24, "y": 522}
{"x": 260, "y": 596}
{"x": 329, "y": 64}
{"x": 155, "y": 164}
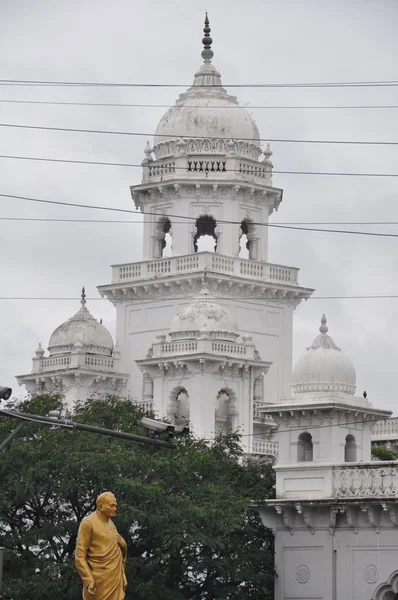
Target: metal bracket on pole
{"x": 59, "y": 422}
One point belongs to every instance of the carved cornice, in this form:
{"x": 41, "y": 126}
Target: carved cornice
{"x": 187, "y": 286}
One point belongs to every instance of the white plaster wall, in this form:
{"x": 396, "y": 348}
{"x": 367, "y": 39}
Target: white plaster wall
{"x": 340, "y": 566}
{"x": 139, "y": 323}
{"x": 221, "y": 207}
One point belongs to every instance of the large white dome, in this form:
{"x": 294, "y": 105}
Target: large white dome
{"x": 206, "y": 117}
{"x": 324, "y": 367}
{"x": 207, "y": 111}
{"x": 204, "y": 317}
{"x": 84, "y": 329}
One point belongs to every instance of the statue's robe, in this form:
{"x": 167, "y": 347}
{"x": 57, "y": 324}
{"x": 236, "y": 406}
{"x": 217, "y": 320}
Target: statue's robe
{"x": 99, "y": 555}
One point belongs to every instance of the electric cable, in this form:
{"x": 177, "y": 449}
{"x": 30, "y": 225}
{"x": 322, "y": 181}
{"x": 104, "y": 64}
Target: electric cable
{"x": 327, "y": 84}
{"x": 140, "y": 222}
{"x": 198, "y": 137}
{"x": 191, "y": 219}
{"x": 218, "y": 297}
{"x": 133, "y": 165}
{"x": 270, "y": 107}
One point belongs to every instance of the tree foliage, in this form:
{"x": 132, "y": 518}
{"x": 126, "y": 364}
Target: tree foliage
{"x": 183, "y": 512}
{"x": 382, "y": 453}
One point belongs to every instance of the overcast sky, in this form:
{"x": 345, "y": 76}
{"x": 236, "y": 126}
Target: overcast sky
{"x": 160, "y": 42}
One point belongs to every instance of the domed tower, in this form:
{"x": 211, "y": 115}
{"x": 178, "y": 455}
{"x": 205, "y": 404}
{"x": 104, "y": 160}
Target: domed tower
{"x": 206, "y": 196}
{"x": 204, "y": 376}
{"x": 82, "y": 360}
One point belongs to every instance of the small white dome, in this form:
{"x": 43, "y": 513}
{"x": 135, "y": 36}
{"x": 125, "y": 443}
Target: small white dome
{"x": 324, "y": 367}
{"x": 83, "y": 329}
{"x": 204, "y": 317}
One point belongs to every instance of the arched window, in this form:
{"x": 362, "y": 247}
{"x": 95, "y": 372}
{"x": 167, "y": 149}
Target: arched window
{"x": 205, "y": 239}
{"x": 304, "y": 447}
{"x": 350, "y": 450}
{"x": 163, "y": 239}
{"x": 247, "y": 240}
{"x": 222, "y": 416}
{"x": 182, "y": 414}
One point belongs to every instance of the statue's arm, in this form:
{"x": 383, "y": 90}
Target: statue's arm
{"x": 82, "y": 545}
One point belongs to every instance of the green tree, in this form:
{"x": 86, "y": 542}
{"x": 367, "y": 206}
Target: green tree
{"x": 184, "y": 512}
{"x": 382, "y": 453}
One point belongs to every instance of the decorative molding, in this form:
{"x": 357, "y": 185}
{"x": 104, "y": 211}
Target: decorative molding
{"x": 370, "y": 482}
{"x": 371, "y": 574}
{"x": 303, "y": 574}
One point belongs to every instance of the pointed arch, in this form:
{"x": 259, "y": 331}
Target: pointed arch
{"x": 304, "y": 447}
{"x": 162, "y": 238}
{"x": 248, "y": 241}
{"x": 350, "y": 449}
{"x": 179, "y": 406}
{"x": 206, "y": 229}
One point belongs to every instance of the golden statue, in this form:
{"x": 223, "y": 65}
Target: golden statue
{"x": 101, "y": 553}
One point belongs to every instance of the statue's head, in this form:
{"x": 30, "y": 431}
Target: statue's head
{"x": 106, "y": 504}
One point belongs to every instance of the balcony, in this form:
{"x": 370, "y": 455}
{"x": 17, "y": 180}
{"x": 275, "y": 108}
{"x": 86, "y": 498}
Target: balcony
{"x": 385, "y": 430}
{"x": 265, "y": 448}
{"x": 366, "y": 480}
{"x": 216, "y": 263}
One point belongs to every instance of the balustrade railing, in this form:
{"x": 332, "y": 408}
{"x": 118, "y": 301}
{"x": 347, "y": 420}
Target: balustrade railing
{"x": 387, "y": 428}
{"x": 265, "y": 448}
{"x": 217, "y": 263}
{"x": 227, "y": 348}
{"x": 366, "y": 481}
{"x": 51, "y": 364}
{"x": 99, "y": 363}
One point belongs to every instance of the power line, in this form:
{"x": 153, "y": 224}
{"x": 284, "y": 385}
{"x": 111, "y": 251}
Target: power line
{"x": 198, "y": 137}
{"x": 229, "y": 106}
{"x": 140, "y": 222}
{"x": 218, "y": 297}
{"x": 49, "y": 83}
{"x": 190, "y": 219}
{"x": 304, "y": 427}
{"x": 110, "y": 164}
{"x": 134, "y": 165}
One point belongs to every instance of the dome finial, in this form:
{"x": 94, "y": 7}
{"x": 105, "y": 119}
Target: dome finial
{"x": 207, "y": 52}
{"x": 83, "y": 300}
{"x": 323, "y": 328}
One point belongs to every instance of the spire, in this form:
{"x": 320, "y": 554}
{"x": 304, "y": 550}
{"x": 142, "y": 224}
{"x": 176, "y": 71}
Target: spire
{"x": 323, "y": 328}
{"x": 83, "y": 300}
{"x": 207, "y": 52}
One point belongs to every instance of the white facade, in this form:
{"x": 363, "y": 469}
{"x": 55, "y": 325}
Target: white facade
{"x": 335, "y": 515}
{"x": 82, "y": 361}
{"x": 204, "y": 375}
{"x": 206, "y": 177}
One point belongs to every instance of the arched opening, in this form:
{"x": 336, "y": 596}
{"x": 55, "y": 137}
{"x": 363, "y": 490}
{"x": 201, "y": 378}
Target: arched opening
{"x": 304, "y": 447}
{"x": 247, "y": 240}
{"x": 205, "y": 239}
{"x": 390, "y": 595}
{"x": 163, "y": 238}
{"x": 222, "y": 413}
{"x": 181, "y": 416}
{"x": 350, "y": 450}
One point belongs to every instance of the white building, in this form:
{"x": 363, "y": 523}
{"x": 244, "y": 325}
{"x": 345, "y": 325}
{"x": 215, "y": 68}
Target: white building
{"x": 206, "y": 196}
{"x": 335, "y": 515}
{"x": 82, "y": 361}
{"x": 203, "y": 375}
{"x": 206, "y": 178}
